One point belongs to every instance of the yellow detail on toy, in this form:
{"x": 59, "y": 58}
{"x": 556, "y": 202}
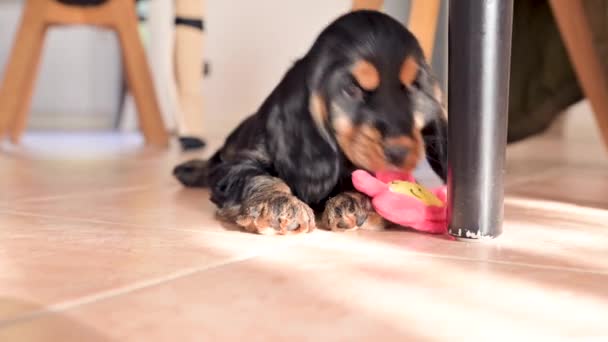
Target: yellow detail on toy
{"x": 415, "y": 190}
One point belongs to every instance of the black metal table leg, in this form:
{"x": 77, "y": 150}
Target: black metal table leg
{"x": 479, "y": 68}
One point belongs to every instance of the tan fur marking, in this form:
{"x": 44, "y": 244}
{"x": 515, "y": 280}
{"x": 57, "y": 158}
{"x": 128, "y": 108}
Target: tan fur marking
{"x": 409, "y": 71}
{"x": 345, "y": 211}
{"x": 401, "y": 141}
{"x": 270, "y": 209}
{"x": 374, "y": 222}
{"x": 361, "y": 144}
{"x": 366, "y": 75}
{"x": 419, "y": 120}
{"x": 262, "y": 185}
{"x": 281, "y": 187}
{"x": 342, "y": 125}
{"x": 364, "y": 145}
{"x": 318, "y": 110}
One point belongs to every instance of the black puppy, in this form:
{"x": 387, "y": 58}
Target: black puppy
{"x": 362, "y": 97}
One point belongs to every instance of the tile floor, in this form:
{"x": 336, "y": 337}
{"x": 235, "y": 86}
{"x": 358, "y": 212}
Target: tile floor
{"x": 99, "y": 243}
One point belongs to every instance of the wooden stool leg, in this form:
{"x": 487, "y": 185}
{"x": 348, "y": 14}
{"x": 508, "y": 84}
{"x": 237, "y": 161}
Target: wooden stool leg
{"x": 138, "y": 74}
{"x": 577, "y": 35}
{"x": 367, "y": 4}
{"x": 20, "y": 74}
{"x": 423, "y": 23}
{"x": 189, "y": 39}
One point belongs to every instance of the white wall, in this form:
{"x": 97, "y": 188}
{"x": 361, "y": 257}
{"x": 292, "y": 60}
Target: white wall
{"x": 252, "y": 43}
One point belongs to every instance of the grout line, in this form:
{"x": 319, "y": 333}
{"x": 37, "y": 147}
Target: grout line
{"x": 145, "y": 284}
{"x": 432, "y": 255}
{"x": 116, "y": 223}
{"x": 141, "y": 285}
{"x": 513, "y": 263}
{"x": 535, "y": 177}
{"x": 31, "y": 199}
{"x": 354, "y": 249}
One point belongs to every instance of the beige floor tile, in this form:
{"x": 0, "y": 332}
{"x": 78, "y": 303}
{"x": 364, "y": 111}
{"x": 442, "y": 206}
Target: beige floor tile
{"x": 53, "y": 261}
{"x": 558, "y": 152}
{"x": 533, "y": 158}
{"x": 25, "y": 180}
{"x": 98, "y": 242}
{"x": 163, "y": 206}
{"x": 526, "y": 240}
{"x": 328, "y": 294}
{"x": 578, "y": 186}
{"x": 49, "y": 166}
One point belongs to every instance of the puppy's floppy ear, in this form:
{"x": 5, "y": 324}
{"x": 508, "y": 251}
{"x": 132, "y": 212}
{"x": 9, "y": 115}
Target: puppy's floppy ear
{"x": 432, "y": 119}
{"x": 304, "y": 156}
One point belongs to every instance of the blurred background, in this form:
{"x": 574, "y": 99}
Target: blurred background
{"x": 250, "y": 44}
{"x": 248, "y": 48}
{"x": 98, "y": 242}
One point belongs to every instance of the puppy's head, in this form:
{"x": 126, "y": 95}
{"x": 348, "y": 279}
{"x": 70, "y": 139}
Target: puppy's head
{"x": 371, "y": 114}
{"x": 367, "y": 90}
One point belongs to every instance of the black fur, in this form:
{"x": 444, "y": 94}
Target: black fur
{"x": 283, "y": 140}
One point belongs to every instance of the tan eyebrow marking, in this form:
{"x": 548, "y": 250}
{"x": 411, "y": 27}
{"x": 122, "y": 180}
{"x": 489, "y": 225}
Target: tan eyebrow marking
{"x": 366, "y": 75}
{"x": 409, "y": 71}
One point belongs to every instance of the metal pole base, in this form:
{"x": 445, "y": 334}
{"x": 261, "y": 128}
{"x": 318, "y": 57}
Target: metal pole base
{"x": 479, "y": 67}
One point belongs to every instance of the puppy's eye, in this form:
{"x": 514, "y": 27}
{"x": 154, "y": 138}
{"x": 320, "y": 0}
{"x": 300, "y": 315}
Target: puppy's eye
{"x": 353, "y": 91}
{"x": 404, "y": 88}
{"x": 417, "y": 84}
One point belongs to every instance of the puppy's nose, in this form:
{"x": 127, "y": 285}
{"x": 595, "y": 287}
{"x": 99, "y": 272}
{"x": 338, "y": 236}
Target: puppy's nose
{"x": 396, "y": 154}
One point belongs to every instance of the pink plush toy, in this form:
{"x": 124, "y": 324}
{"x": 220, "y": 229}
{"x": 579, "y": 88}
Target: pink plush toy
{"x": 398, "y": 198}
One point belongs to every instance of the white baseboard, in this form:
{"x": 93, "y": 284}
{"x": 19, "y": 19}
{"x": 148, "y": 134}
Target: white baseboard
{"x": 71, "y": 122}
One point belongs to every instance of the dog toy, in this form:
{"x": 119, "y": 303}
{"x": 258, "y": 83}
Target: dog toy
{"x": 398, "y": 198}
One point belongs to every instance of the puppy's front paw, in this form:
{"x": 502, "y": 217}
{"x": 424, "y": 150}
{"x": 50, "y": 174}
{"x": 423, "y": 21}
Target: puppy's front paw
{"x": 347, "y": 211}
{"x": 276, "y": 213}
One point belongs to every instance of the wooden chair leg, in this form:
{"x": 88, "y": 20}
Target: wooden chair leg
{"x": 423, "y": 23}
{"x": 577, "y": 35}
{"x": 138, "y": 74}
{"x": 367, "y": 4}
{"x": 21, "y": 70}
